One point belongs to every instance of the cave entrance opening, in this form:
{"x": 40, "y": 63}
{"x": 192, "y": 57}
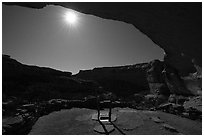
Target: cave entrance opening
{"x": 91, "y": 42}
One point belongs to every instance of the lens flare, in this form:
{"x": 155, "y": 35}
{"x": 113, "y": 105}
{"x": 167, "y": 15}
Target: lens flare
{"x": 71, "y": 17}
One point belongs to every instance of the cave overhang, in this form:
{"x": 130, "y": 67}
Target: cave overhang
{"x": 176, "y": 27}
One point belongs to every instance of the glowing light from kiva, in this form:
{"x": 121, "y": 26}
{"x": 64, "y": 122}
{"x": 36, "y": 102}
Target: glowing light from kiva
{"x": 71, "y": 17}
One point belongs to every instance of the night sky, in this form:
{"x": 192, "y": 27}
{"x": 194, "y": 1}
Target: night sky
{"x": 42, "y": 37}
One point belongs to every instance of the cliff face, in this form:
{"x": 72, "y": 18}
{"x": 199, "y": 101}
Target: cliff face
{"x": 14, "y": 69}
{"x": 40, "y": 83}
{"x": 175, "y": 27}
{"x": 122, "y": 80}
{"x": 155, "y": 77}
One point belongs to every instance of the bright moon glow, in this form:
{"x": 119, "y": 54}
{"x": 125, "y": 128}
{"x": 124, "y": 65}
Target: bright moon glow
{"x": 71, "y": 17}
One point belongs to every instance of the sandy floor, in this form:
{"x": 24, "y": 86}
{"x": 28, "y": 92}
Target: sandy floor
{"x": 131, "y": 122}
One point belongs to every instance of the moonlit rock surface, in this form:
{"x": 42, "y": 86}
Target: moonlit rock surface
{"x": 132, "y": 122}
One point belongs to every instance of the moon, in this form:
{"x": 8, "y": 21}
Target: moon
{"x": 71, "y": 17}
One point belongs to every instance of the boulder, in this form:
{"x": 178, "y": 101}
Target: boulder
{"x": 194, "y": 107}
{"x": 178, "y": 109}
{"x": 194, "y": 102}
{"x": 194, "y": 113}
{"x": 138, "y": 98}
{"x": 177, "y": 99}
{"x": 170, "y": 128}
{"x": 29, "y": 107}
{"x": 171, "y": 108}
{"x": 157, "y": 119}
{"x": 57, "y": 101}
{"x": 186, "y": 115}
{"x": 165, "y": 107}
{"x": 161, "y": 99}
{"x": 155, "y": 99}
{"x": 14, "y": 121}
{"x": 182, "y": 99}
{"x": 172, "y": 98}
{"x": 150, "y": 97}
{"x": 150, "y": 100}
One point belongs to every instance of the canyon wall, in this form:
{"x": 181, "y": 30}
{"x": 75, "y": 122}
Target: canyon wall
{"x": 121, "y": 80}
{"x": 40, "y": 83}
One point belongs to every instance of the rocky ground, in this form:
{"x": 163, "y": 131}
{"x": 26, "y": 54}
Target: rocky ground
{"x": 131, "y": 122}
{"x": 176, "y": 116}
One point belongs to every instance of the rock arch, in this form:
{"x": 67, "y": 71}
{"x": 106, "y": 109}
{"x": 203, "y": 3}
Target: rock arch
{"x": 175, "y": 27}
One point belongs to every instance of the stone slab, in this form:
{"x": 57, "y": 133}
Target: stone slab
{"x": 157, "y": 120}
{"x": 100, "y": 129}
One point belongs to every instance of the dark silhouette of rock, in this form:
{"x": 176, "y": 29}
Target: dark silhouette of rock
{"x": 35, "y": 83}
